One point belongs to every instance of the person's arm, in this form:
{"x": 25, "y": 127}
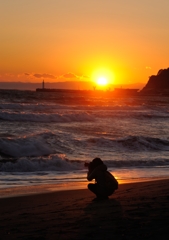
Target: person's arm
{"x": 92, "y": 175}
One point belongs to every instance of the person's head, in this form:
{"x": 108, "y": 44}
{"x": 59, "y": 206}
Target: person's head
{"x": 95, "y": 162}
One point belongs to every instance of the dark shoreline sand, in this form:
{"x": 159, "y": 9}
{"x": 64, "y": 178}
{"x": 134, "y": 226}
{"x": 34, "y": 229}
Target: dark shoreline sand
{"x": 135, "y": 211}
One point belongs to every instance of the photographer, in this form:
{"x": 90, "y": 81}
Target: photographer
{"x": 105, "y": 183}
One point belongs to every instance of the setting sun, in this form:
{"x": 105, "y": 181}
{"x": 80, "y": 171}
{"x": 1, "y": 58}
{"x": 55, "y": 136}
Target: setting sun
{"x": 102, "y": 77}
{"x": 102, "y": 81}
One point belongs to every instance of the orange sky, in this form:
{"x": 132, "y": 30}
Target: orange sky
{"x": 60, "y": 40}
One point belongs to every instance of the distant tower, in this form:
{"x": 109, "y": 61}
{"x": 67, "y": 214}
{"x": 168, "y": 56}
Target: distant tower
{"x": 43, "y": 84}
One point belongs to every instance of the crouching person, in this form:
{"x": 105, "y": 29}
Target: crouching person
{"x": 105, "y": 183}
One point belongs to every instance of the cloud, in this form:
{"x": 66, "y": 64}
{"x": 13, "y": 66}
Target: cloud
{"x": 69, "y": 75}
{"x": 84, "y": 77}
{"x": 44, "y": 75}
{"x": 74, "y": 76}
{"x": 39, "y": 75}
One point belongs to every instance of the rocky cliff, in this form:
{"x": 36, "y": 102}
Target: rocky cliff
{"x": 158, "y": 83}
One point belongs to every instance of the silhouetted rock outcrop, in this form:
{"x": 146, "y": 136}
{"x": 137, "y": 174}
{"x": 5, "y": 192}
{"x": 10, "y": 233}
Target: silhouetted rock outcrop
{"x": 158, "y": 84}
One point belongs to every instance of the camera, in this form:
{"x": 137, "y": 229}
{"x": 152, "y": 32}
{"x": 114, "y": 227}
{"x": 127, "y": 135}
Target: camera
{"x": 86, "y": 164}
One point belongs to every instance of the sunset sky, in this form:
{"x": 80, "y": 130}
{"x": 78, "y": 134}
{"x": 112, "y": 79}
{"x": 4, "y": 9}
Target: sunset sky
{"x": 124, "y": 41}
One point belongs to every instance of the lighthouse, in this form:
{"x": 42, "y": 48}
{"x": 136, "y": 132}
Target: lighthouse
{"x": 43, "y": 84}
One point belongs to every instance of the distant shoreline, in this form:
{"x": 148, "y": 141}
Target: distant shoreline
{"x": 124, "y": 92}
{"x": 68, "y": 85}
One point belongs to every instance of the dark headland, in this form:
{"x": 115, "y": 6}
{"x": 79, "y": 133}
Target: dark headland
{"x": 157, "y": 84}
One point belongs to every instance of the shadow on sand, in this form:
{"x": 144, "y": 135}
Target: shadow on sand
{"x": 100, "y": 218}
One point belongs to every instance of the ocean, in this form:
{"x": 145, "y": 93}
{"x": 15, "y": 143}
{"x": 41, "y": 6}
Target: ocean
{"x": 45, "y": 137}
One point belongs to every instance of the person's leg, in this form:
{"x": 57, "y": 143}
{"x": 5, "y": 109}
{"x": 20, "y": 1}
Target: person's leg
{"x": 93, "y": 188}
{"x": 110, "y": 191}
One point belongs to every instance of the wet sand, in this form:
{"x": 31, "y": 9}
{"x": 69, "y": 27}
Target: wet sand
{"x": 135, "y": 211}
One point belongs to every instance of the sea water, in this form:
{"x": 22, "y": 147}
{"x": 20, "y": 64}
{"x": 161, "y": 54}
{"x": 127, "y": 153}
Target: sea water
{"x": 45, "y": 138}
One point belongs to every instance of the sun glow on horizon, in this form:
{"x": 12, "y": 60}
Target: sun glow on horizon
{"x": 103, "y": 77}
{"x": 102, "y": 81}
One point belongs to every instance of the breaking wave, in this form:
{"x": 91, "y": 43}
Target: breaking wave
{"x": 47, "y": 143}
{"x": 61, "y": 163}
{"x": 133, "y": 143}
{"x": 51, "y": 163}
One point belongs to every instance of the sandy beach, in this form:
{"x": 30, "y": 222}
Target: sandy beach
{"x": 135, "y": 211}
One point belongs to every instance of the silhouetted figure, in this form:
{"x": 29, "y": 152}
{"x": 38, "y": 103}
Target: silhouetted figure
{"x": 105, "y": 183}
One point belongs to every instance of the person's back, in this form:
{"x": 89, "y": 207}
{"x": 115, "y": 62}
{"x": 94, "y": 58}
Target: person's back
{"x": 111, "y": 182}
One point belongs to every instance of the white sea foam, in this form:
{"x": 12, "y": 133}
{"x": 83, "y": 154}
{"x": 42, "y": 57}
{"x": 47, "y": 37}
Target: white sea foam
{"x": 55, "y": 162}
{"x": 133, "y": 143}
{"x": 59, "y": 163}
{"x": 32, "y": 145}
{"x": 47, "y": 143}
